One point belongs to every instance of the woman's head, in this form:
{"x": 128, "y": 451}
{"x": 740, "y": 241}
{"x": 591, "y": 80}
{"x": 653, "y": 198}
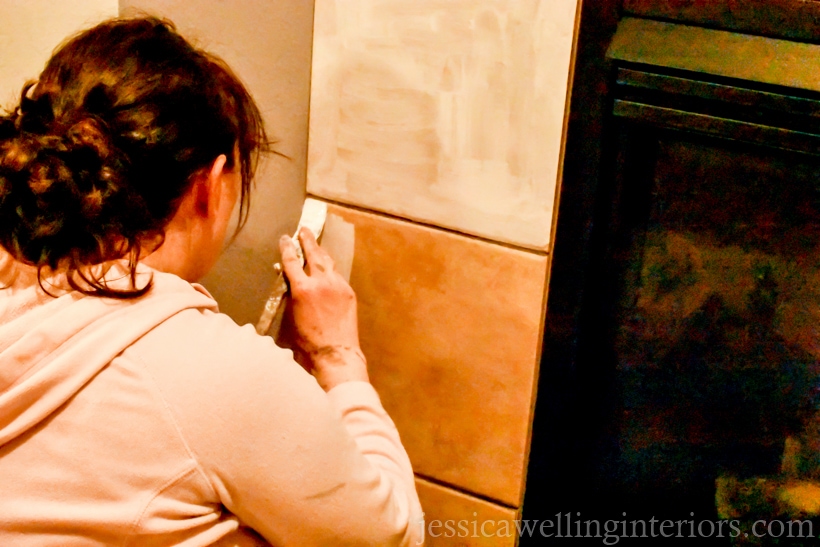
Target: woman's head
{"x": 102, "y": 148}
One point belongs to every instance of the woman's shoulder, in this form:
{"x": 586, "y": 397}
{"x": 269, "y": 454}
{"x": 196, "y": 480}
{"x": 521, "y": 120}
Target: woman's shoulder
{"x": 201, "y": 352}
{"x": 219, "y": 379}
{"x": 199, "y": 334}
{"x": 205, "y": 343}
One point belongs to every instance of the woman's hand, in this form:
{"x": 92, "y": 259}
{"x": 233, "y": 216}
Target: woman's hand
{"x": 321, "y": 322}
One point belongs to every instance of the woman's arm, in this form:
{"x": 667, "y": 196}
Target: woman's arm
{"x": 299, "y": 465}
{"x": 303, "y": 460}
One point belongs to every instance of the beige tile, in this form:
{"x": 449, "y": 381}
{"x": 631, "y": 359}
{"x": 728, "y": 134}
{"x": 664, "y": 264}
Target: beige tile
{"x": 448, "y": 112}
{"x": 451, "y": 328}
{"x": 455, "y": 519}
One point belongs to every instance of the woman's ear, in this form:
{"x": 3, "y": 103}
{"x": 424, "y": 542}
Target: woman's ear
{"x": 209, "y": 188}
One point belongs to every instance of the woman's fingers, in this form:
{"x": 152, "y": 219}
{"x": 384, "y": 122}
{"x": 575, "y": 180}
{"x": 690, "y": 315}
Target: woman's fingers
{"x": 290, "y": 261}
{"x": 317, "y": 258}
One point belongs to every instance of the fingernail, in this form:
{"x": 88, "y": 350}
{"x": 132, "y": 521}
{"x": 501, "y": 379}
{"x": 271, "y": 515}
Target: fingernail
{"x": 284, "y": 239}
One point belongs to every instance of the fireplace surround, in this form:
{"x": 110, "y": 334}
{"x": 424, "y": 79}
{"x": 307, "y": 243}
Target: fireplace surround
{"x": 681, "y": 354}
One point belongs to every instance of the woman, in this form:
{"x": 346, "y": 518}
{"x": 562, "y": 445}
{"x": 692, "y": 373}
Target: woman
{"x": 131, "y": 411}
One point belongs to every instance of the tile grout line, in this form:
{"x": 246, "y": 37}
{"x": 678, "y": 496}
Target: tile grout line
{"x": 464, "y": 491}
{"x": 482, "y": 239}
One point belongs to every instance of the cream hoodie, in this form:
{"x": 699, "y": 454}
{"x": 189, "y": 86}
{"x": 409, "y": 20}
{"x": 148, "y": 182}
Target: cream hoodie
{"x": 159, "y": 421}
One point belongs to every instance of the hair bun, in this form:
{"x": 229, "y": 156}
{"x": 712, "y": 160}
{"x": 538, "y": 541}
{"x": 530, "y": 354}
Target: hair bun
{"x": 89, "y": 134}
{"x": 56, "y": 191}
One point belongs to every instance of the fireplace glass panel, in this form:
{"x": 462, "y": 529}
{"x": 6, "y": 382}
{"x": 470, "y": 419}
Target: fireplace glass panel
{"x": 713, "y": 323}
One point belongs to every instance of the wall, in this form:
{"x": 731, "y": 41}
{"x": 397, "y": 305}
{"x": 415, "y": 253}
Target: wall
{"x": 32, "y": 29}
{"x": 268, "y": 44}
{"x": 436, "y": 129}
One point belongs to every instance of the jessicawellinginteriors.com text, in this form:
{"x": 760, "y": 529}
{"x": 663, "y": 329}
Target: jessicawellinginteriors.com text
{"x": 573, "y": 525}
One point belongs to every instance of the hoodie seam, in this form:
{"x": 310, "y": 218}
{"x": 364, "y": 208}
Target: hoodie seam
{"x": 186, "y": 471}
{"x": 177, "y": 427}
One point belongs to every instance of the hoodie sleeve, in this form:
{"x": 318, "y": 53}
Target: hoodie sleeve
{"x": 298, "y": 465}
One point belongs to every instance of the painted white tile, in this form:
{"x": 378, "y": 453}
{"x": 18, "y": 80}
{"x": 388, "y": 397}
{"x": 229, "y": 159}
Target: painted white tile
{"x": 445, "y": 111}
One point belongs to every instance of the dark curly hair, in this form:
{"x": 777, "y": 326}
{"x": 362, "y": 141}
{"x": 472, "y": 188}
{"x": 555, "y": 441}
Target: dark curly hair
{"x": 97, "y": 156}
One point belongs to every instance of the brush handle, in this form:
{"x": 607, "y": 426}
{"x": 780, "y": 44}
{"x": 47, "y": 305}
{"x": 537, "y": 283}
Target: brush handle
{"x": 273, "y": 305}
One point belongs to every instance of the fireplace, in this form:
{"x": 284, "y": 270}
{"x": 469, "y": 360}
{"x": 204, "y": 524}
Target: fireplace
{"x": 708, "y": 283}
{"x": 682, "y": 347}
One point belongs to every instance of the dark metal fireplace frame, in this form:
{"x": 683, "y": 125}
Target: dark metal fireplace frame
{"x": 621, "y": 104}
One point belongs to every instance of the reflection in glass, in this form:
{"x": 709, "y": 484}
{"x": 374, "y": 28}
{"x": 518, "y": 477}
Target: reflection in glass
{"x": 716, "y": 331}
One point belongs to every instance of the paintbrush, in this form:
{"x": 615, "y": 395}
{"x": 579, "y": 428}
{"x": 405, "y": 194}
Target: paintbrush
{"x": 314, "y": 214}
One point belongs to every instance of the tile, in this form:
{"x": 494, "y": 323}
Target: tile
{"x": 446, "y": 111}
{"x": 452, "y": 518}
{"x": 451, "y": 328}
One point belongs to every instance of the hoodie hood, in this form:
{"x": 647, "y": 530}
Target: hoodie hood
{"x": 51, "y": 347}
